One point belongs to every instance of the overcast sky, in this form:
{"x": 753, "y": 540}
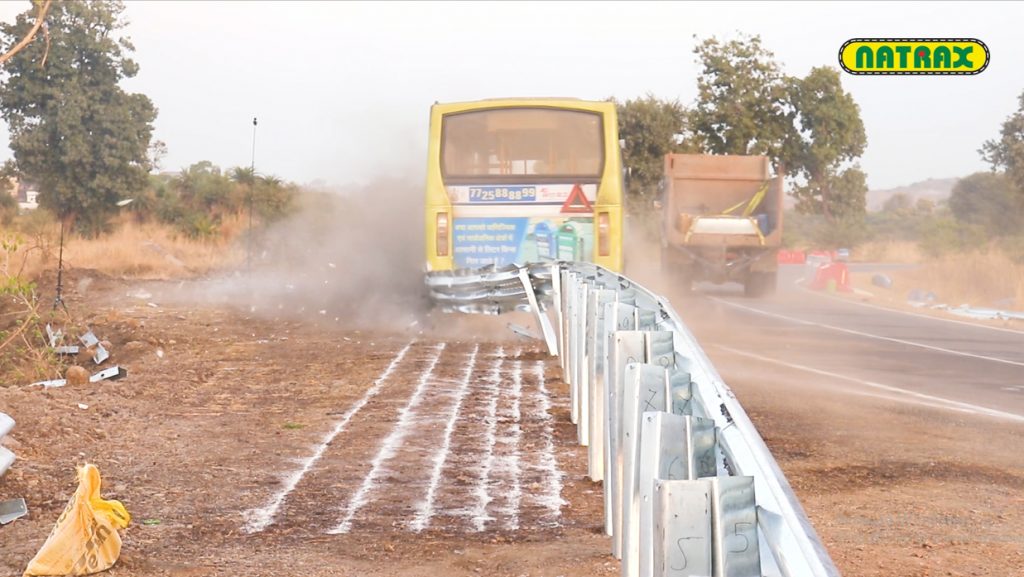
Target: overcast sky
{"x": 342, "y": 90}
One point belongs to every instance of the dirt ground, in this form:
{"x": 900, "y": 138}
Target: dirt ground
{"x": 245, "y": 444}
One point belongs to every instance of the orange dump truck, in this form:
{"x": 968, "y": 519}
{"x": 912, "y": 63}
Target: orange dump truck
{"x": 721, "y": 220}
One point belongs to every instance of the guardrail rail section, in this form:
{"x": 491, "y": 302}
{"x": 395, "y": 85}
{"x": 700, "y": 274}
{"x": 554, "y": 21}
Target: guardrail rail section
{"x": 690, "y": 488}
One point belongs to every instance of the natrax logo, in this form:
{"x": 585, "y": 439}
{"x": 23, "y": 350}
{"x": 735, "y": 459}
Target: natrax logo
{"x": 957, "y": 56}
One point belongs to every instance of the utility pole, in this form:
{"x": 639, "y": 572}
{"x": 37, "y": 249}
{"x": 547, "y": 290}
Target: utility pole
{"x": 252, "y": 193}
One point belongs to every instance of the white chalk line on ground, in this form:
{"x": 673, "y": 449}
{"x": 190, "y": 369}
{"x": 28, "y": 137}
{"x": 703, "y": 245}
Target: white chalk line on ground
{"x": 515, "y": 493}
{"x": 924, "y": 399}
{"x": 480, "y": 489}
{"x": 388, "y": 447}
{"x": 259, "y": 519}
{"x": 425, "y": 508}
{"x": 863, "y": 334}
{"x": 551, "y": 499}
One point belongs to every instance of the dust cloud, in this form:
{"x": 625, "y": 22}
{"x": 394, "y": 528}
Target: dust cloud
{"x": 353, "y": 258}
{"x": 350, "y": 257}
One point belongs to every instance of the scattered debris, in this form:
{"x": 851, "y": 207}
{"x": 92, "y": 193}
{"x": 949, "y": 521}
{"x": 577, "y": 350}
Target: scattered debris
{"x": 921, "y": 296}
{"x": 112, "y": 373}
{"x": 12, "y": 509}
{"x": 523, "y": 332}
{"x": 83, "y": 406}
{"x": 881, "y": 280}
{"x": 89, "y": 340}
{"x": 986, "y": 314}
{"x": 151, "y": 521}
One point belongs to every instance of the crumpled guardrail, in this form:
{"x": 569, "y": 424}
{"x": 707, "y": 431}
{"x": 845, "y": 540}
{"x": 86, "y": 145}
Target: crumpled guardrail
{"x": 489, "y": 290}
{"x": 6, "y": 456}
{"x": 617, "y": 341}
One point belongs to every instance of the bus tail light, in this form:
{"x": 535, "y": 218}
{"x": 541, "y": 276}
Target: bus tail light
{"x": 442, "y": 234}
{"x": 603, "y": 232}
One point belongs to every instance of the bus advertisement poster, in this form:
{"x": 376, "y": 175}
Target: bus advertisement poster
{"x": 502, "y": 241}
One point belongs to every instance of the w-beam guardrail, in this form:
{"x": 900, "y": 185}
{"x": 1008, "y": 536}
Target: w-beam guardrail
{"x": 689, "y": 486}
{"x": 6, "y": 456}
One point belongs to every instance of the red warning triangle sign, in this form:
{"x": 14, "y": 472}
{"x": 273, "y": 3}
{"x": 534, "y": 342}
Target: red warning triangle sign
{"x": 577, "y": 201}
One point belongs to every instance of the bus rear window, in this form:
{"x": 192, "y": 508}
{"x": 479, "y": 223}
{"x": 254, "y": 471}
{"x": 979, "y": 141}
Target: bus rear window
{"x": 522, "y": 142}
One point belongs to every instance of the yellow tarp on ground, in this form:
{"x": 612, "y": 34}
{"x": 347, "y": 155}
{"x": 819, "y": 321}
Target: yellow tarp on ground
{"x": 85, "y": 539}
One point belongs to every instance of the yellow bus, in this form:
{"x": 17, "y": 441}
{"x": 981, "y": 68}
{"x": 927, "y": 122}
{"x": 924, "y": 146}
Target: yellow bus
{"x": 523, "y": 180}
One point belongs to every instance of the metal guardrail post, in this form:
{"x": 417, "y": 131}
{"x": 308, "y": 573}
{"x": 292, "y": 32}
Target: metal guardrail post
{"x": 682, "y": 544}
{"x": 598, "y": 343}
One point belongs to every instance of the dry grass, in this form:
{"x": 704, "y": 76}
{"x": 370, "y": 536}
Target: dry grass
{"x": 150, "y": 251}
{"x": 980, "y": 279}
{"x": 133, "y": 251}
{"x": 904, "y": 252}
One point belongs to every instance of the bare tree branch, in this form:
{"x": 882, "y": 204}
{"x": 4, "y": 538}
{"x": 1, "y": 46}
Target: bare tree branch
{"x": 40, "y": 19}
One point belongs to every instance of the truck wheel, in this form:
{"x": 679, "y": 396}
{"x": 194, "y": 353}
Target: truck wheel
{"x": 760, "y": 284}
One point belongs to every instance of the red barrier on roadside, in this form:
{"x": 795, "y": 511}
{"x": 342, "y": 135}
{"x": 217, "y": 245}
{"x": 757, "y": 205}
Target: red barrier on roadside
{"x": 832, "y": 277}
{"x": 792, "y": 257}
{"x": 827, "y": 254}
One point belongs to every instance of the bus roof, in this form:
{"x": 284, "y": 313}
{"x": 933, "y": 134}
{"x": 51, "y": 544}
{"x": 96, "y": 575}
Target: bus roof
{"x": 518, "y": 101}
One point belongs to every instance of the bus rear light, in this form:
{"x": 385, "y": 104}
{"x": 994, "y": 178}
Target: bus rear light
{"x": 603, "y": 233}
{"x": 442, "y": 234}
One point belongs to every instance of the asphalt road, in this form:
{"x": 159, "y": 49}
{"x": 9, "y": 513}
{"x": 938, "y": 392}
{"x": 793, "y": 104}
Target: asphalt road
{"x": 917, "y": 358}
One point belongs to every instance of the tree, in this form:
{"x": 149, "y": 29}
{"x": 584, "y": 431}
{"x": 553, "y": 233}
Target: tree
{"x": 846, "y": 200}
{"x": 743, "y": 103}
{"x": 809, "y": 127}
{"x": 74, "y": 131}
{"x": 989, "y": 200}
{"x": 831, "y": 135}
{"x": 1008, "y": 151}
{"x": 650, "y": 128}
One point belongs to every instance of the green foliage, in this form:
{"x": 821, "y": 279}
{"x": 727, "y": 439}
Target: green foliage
{"x": 831, "y": 135}
{"x": 809, "y": 127}
{"x": 1007, "y": 152}
{"x": 989, "y": 200}
{"x": 74, "y": 131}
{"x": 837, "y": 196}
{"x": 650, "y": 128}
{"x": 815, "y": 231}
{"x": 8, "y": 208}
{"x": 743, "y": 104}
{"x": 198, "y": 199}
{"x": 944, "y": 235}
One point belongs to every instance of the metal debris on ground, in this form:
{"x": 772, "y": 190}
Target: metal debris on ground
{"x": 523, "y": 332}
{"x": 12, "y": 509}
{"x": 89, "y": 340}
{"x": 112, "y": 374}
